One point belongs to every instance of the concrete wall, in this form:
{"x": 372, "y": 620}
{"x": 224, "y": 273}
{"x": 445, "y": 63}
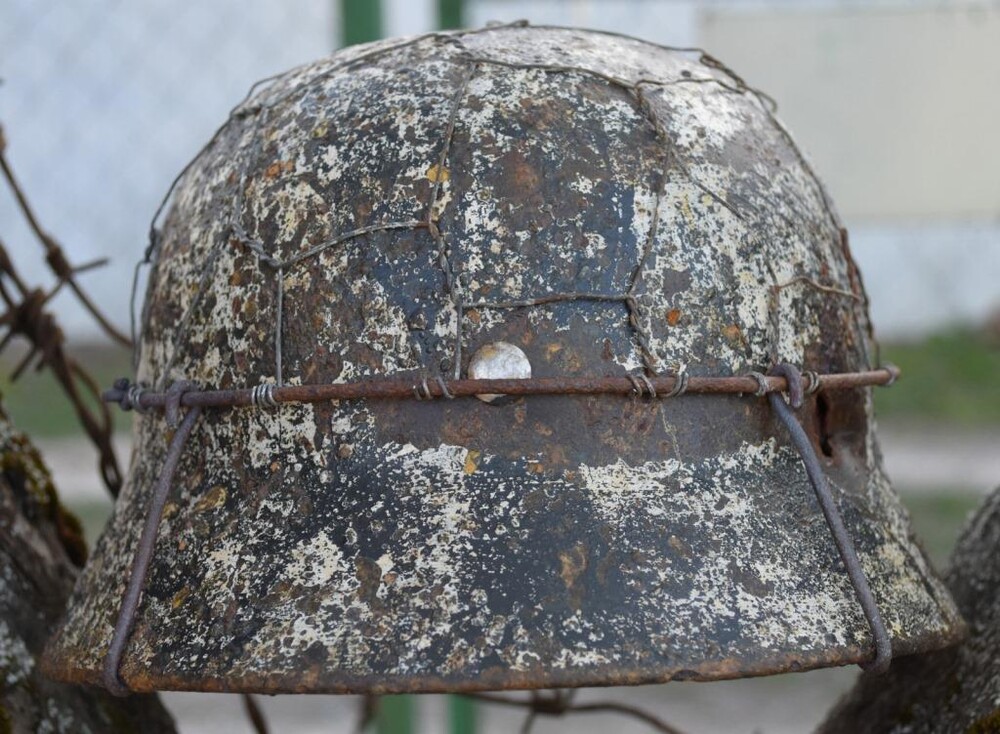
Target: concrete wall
{"x": 899, "y": 106}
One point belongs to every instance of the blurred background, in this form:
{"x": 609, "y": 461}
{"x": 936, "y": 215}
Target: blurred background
{"x": 897, "y": 104}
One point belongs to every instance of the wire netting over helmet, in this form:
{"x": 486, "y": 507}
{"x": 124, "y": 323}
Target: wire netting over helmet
{"x": 608, "y": 206}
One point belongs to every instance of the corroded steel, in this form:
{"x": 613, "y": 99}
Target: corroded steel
{"x": 128, "y": 397}
{"x": 607, "y": 206}
{"x": 954, "y": 690}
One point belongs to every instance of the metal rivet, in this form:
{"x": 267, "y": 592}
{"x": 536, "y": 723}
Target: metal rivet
{"x": 498, "y": 361}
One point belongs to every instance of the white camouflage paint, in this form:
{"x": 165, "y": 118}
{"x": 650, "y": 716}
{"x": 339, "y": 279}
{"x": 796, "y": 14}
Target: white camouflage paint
{"x": 557, "y": 541}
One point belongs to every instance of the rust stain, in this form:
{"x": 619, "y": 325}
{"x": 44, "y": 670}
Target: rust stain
{"x": 733, "y": 334}
{"x": 180, "y": 597}
{"x": 369, "y": 576}
{"x": 438, "y": 174}
{"x": 214, "y": 498}
{"x": 573, "y": 562}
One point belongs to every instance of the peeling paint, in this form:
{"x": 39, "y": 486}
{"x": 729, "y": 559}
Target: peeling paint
{"x": 554, "y": 541}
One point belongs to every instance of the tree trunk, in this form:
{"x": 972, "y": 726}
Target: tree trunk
{"x": 956, "y": 690}
{"x": 41, "y": 552}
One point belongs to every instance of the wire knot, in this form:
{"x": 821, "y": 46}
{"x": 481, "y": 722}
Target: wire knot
{"x": 893, "y": 372}
{"x": 762, "y": 387}
{"x": 814, "y": 385}
{"x": 262, "y": 396}
{"x": 172, "y": 407}
{"x": 130, "y": 396}
{"x": 794, "y": 378}
{"x": 642, "y": 385}
{"x": 444, "y": 388}
{"x": 680, "y": 383}
{"x": 422, "y": 390}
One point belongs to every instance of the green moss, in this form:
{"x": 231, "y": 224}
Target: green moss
{"x": 22, "y": 466}
{"x": 20, "y": 459}
{"x": 6, "y": 725}
{"x": 989, "y": 724}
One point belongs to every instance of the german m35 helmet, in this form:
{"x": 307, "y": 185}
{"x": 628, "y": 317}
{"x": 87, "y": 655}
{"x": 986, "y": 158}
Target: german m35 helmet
{"x": 618, "y": 240}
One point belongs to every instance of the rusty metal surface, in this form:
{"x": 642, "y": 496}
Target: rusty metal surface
{"x": 129, "y": 398}
{"x": 955, "y": 690}
{"x": 410, "y": 196}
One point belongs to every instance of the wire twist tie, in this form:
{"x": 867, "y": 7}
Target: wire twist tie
{"x": 794, "y": 379}
{"x": 175, "y": 392}
{"x": 893, "y": 371}
{"x": 680, "y": 384}
{"x": 642, "y": 385}
{"x": 422, "y": 390}
{"x": 814, "y": 383}
{"x": 262, "y": 396}
{"x": 762, "y": 386}
{"x": 444, "y": 387}
{"x": 130, "y": 395}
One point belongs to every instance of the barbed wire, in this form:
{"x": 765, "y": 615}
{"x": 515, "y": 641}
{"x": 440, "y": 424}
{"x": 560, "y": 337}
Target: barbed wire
{"x": 561, "y": 703}
{"x": 26, "y": 316}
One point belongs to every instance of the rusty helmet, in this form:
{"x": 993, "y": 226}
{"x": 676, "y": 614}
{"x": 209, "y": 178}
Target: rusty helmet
{"x": 618, "y": 238}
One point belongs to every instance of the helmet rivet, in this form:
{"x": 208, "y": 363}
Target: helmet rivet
{"x": 498, "y": 361}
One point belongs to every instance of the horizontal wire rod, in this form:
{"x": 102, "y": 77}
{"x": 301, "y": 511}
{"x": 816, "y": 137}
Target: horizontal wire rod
{"x": 395, "y": 388}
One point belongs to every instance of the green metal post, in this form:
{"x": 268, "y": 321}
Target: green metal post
{"x": 360, "y": 21}
{"x": 394, "y": 715}
{"x": 461, "y": 715}
{"x": 451, "y": 14}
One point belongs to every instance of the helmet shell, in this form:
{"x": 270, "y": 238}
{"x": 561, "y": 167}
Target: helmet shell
{"x": 604, "y": 204}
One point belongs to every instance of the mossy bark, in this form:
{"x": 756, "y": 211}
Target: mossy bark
{"x": 41, "y": 552}
{"x": 955, "y": 690}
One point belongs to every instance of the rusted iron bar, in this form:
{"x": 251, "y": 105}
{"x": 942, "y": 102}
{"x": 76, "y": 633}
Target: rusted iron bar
{"x": 143, "y": 556}
{"x": 394, "y": 388}
{"x": 845, "y": 545}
